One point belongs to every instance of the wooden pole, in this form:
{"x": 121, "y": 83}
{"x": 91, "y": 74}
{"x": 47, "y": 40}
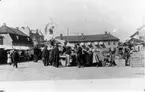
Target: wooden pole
{"x": 67, "y": 33}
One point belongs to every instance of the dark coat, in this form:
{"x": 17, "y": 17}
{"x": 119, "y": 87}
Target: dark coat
{"x": 45, "y": 53}
{"x": 79, "y": 51}
{"x": 15, "y": 57}
{"x": 51, "y": 56}
{"x": 68, "y": 50}
{"x": 56, "y": 57}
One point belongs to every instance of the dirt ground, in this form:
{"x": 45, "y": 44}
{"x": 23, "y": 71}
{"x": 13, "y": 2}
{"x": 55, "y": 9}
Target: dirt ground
{"x": 28, "y": 71}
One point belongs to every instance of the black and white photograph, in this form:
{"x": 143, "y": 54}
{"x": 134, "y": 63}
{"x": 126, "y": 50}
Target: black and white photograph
{"x": 59, "y": 40}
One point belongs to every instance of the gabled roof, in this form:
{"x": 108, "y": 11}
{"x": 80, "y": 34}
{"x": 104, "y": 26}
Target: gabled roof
{"x": 137, "y": 32}
{"x": 136, "y": 40}
{"x": 10, "y": 30}
{"x": 16, "y": 35}
{"x": 89, "y": 38}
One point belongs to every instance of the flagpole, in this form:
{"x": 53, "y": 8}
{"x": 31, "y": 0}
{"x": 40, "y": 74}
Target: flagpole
{"x": 67, "y": 33}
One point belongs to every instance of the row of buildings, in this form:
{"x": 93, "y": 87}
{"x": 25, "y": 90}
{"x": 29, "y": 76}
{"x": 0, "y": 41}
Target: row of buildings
{"x": 107, "y": 40}
{"x": 25, "y": 38}
{"x": 19, "y": 38}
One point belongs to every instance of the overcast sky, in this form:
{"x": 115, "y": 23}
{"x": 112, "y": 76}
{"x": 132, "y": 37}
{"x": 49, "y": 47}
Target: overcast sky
{"x": 81, "y": 16}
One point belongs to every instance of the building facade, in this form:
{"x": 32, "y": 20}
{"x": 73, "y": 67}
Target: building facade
{"x": 99, "y": 40}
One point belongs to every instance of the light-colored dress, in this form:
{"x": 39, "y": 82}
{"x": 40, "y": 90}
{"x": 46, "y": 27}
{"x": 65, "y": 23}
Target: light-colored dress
{"x": 9, "y": 59}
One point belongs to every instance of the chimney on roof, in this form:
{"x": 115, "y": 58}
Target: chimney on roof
{"x": 4, "y": 24}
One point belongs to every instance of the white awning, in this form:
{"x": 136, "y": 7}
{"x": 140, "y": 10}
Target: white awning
{"x": 96, "y": 43}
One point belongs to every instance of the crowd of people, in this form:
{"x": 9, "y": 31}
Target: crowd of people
{"x": 79, "y": 55}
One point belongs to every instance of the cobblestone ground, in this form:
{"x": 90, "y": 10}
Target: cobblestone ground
{"x": 36, "y": 71}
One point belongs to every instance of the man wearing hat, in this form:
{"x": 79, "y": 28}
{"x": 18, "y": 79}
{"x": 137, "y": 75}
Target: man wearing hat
{"x": 15, "y": 58}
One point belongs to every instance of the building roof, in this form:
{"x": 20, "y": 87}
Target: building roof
{"x": 16, "y": 35}
{"x": 89, "y": 38}
{"x": 136, "y": 40}
{"x": 10, "y": 30}
{"x": 137, "y": 32}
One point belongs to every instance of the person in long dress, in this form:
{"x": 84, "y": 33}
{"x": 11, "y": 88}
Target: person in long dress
{"x": 56, "y": 56}
{"x": 87, "y": 57}
{"x": 68, "y": 53}
{"x": 91, "y": 56}
{"x": 9, "y": 60}
{"x": 112, "y": 57}
{"x": 79, "y": 56}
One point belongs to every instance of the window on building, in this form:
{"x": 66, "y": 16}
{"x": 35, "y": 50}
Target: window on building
{"x": 109, "y": 43}
{"x": 17, "y": 37}
{"x": 28, "y": 38}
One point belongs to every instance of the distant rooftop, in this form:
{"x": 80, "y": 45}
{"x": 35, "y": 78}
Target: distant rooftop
{"x": 89, "y": 38}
